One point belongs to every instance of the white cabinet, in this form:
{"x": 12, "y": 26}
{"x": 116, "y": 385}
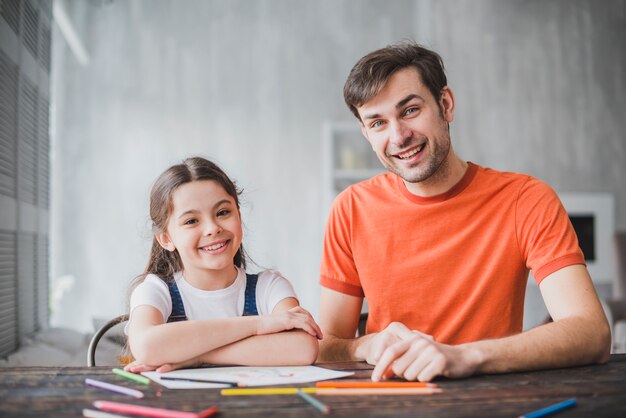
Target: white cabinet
{"x": 348, "y": 157}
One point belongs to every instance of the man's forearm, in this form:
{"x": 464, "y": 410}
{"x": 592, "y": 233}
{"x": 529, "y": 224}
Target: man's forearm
{"x": 568, "y": 342}
{"x": 339, "y": 349}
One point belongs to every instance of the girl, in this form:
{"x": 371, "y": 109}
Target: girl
{"x": 195, "y": 303}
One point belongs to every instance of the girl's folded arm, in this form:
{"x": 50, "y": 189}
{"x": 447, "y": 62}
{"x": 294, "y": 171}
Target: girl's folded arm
{"x": 153, "y": 342}
{"x": 289, "y": 348}
{"x": 299, "y": 346}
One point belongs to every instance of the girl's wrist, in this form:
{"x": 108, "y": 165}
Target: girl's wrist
{"x": 257, "y": 322}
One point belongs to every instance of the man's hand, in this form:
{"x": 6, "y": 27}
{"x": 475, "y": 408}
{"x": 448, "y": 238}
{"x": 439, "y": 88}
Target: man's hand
{"x": 372, "y": 346}
{"x": 413, "y": 355}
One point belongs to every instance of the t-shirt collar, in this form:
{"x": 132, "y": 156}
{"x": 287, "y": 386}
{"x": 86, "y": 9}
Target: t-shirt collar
{"x": 461, "y": 185}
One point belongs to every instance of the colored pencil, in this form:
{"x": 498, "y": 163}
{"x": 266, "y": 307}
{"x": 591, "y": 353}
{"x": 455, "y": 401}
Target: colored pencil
{"x": 90, "y": 413}
{"x": 148, "y": 411}
{"x": 131, "y": 376}
{"x": 331, "y": 391}
{"x": 377, "y": 391}
{"x": 265, "y": 391}
{"x": 208, "y": 412}
{"x": 550, "y": 409}
{"x": 354, "y": 384}
{"x": 324, "y": 409}
{"x": 114, "y": 388}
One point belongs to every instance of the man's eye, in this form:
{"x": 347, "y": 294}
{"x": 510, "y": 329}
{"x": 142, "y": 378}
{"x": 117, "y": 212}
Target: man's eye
{"x": 376, "y": 124}
{"x": 410, "y": 110}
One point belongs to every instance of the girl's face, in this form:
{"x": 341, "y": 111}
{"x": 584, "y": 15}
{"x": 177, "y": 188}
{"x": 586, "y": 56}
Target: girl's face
{"x": 205, "y": 227}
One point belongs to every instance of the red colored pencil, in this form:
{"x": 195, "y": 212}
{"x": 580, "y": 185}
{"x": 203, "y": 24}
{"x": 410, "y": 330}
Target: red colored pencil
{"x": 208, "y": 412}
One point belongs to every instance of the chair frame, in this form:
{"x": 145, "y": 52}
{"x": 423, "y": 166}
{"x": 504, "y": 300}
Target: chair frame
{"x": 91, "y": 351}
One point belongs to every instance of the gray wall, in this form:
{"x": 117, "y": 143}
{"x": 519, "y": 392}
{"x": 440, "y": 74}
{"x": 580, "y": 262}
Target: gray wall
{"x": 539, "y": 88}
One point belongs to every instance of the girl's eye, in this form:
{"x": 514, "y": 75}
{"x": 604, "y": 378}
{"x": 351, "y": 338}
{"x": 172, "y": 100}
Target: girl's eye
{"x": 190, "y": 221}
{"x": 223, "y": 212}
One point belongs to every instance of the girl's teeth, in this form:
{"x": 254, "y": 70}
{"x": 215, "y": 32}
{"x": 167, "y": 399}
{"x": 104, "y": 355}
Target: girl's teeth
{"x": 215, "y": 247}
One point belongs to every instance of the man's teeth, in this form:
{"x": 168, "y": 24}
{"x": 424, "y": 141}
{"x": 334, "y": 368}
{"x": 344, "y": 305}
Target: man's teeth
{"x": 412, "y": 152}
{"x": 214, "y": 247}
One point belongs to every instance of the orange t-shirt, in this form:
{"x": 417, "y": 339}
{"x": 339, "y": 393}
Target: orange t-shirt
{"x": 455, "y": 265}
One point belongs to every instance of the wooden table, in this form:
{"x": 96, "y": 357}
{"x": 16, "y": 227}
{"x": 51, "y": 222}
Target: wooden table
{"x": 600, "y": 392}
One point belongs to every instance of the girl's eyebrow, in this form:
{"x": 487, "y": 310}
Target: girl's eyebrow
{"x": 221, "y": 202}
{"x": 187, "y": 212}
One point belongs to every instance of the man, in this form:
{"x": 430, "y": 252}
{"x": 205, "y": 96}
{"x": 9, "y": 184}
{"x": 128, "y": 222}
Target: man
{"x": 442, "y": 248}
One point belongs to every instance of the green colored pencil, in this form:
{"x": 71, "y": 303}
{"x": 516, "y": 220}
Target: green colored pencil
{"x": 131, "y": 376}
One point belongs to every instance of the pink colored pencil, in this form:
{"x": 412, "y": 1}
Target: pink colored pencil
{"x": 358, "y": 384}
{"x": 148, "y": 411}
{"x": 377, "y": 391}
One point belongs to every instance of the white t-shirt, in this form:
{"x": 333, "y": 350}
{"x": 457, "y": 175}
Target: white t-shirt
{"x": 271, "y": 288}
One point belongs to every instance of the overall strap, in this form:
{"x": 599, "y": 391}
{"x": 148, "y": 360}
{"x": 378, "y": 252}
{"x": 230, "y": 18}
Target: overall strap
{"x": 249, "y": 307}
{"x": 178, "y": 309}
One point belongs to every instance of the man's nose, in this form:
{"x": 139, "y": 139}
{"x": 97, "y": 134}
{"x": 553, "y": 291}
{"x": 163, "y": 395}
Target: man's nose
{"x": 399, "y": 133}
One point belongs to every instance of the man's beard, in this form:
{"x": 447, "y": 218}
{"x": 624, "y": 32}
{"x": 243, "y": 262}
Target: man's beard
{"x": 436, "y": 155}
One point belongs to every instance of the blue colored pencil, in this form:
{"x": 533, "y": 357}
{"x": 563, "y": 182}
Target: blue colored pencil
{"x": 324, "y": 409}
{"x": 550, "y": 409}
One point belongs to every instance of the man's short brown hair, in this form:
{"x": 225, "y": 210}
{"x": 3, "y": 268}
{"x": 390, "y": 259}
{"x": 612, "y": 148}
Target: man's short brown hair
{"x": 370, "y": 74}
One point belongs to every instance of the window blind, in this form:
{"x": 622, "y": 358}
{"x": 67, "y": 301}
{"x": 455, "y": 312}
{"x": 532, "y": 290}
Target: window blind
{"x": 25, "y": 46}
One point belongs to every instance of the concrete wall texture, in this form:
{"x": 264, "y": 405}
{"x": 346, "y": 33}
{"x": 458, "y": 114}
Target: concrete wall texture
{"x": 540, "y": 88}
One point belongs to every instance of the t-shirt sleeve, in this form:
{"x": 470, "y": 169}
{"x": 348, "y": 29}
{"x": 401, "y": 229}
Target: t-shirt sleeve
{"x": 338, "y": 270}
{"x": 272, "y": 287}
{"x": 152, "y": 291}
{"x": 546, "y": 236}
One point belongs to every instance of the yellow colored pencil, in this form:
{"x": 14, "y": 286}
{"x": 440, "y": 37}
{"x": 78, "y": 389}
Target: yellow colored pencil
{"x": 266, "y": 391}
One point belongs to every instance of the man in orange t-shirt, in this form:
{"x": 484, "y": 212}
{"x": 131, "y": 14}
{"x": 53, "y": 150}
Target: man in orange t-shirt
{"x": 442, "y": 248}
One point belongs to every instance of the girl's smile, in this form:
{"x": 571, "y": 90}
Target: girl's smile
{"x": 216, "y": 247}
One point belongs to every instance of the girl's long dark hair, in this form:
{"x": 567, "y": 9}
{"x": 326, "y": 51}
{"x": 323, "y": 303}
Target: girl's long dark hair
{"x": 162, "y": 262}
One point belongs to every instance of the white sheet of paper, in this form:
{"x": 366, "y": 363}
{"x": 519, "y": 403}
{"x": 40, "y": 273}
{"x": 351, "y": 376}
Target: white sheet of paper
{"x": 246, "y": 376}
{"x": 181, "y": 384}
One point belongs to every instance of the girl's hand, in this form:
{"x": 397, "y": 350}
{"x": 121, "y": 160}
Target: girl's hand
{"x": 136, "y": 367}
{"x": 294, "y": 318}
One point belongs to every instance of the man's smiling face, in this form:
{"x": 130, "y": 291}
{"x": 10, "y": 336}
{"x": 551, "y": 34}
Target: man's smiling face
{"x": 407, "y": 127}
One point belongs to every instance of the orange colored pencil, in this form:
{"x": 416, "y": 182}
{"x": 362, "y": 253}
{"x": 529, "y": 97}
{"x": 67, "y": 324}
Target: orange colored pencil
{"x": 359, "y": 384}
{"x": 377, "y": 391}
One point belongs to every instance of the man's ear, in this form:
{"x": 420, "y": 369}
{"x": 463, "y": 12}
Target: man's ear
{"x": 165, "y": 241}
{"x": 446, "y": 104}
